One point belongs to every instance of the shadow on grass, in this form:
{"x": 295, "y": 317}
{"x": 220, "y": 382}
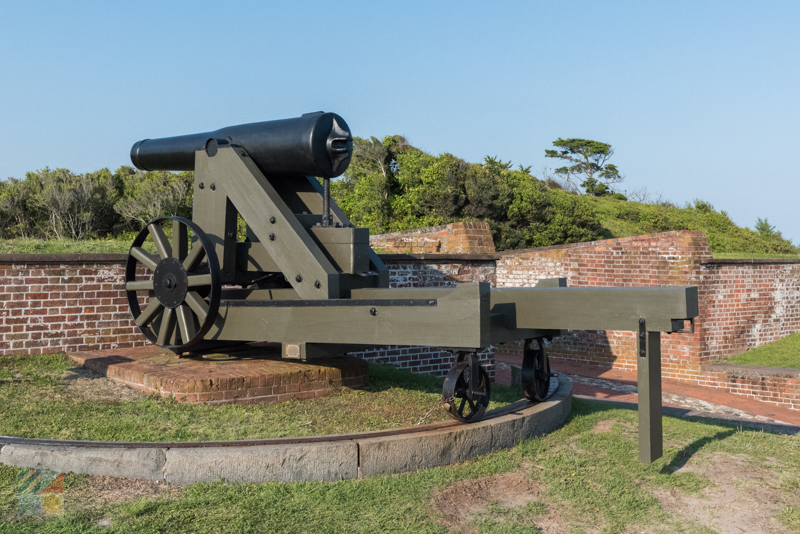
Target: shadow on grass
{"x": 384, "y": 377}
{"x": 683, "y": 456}
{"x": 727, "y": 427}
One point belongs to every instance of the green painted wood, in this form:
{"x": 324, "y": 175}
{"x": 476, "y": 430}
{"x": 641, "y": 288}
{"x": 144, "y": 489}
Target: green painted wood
{"x": 460, "y": 319}
{"x": 292, "y": 249}
{"x": 599, "y": 308}
{"x": 648, "y": 370}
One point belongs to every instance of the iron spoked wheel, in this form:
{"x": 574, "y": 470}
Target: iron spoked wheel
{"x": 535, "y": 371}
{"x": 457, "y": 395}
{"x": 182, "y": 284}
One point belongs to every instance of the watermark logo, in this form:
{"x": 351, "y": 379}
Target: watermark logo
{"x": 40, "y": 492}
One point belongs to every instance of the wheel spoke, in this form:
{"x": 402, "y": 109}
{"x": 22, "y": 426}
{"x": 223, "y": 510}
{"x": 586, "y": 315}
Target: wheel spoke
{"x": 146, "y": 259}
{"x": 180, "y": 240}
{"x": 461, "y": 406}
{"x": 149, "y": 313}
{"x": 199, "y": 280}
{"x": 195, "y": 257}
{"x": 198, "y": 305}
{"x": 139, "y": 285}
{"x": 167, "y": 325}
{"x": 471, "y": 406}
{"x": 160, "y": 240}
{"x": 186, "y": 323}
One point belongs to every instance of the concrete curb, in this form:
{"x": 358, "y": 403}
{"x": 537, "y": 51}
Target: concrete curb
{"x": 335, "y": 459}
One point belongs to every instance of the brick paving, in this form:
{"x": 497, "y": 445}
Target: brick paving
{"x": 258, "y": 374}
{"x": 598, "y": 383}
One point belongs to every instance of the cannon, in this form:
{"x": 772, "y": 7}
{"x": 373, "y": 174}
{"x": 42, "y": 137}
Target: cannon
{"x": 305, "y": 277}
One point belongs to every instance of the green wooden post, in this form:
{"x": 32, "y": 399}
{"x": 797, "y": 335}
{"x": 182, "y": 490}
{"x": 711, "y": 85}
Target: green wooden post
{"x": 649, "y": 379}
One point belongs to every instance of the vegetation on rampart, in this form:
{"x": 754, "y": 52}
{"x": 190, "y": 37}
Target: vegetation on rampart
{"x": 389, "y": 186}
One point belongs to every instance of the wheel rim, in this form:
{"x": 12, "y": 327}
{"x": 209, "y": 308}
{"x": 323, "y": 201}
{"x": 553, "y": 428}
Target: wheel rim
{"x": 535, "y": 371}
{"x": 182, "y": 281}
{"x": 455, "y": 386}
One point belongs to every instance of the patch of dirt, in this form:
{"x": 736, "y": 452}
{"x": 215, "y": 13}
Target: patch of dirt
{"x": 100, "y": 491}
{"x": 88, "y": 385}
{"x": 745, "y": 497}
{"x": 462, "y": 501}
{"x": 603, "y": 426}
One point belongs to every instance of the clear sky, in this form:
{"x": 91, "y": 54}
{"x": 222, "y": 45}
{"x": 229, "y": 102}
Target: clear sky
{"x": 698, "y": 99}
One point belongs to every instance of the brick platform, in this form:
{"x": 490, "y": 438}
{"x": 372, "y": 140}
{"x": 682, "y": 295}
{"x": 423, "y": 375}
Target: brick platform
{"x": 255, "y": 375}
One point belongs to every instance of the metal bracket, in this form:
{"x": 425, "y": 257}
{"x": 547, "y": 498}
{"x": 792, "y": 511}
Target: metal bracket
{"x": 642, "y": 338}
{"x": 678, "y": 324}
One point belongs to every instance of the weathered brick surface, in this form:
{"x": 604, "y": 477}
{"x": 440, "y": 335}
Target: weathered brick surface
{"x": 64, "y": 306}
{"x": 766, "y": 384}
{"x": 79, "y": 305}
{"x": 455, "y": 238}
{"x": 746, "y": 305}
{"x": 667, "y": 259}
{"x": 258, "y": 375}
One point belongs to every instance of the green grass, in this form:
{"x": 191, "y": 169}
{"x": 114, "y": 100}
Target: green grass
{"x": 784, "y": 352}
{"x": 37, "y": 401}
{"x": 754, "y": 255}
{"x": 593, "y": 479}
{"x": 621, "y": 218}
{"x": 65, "y": 246}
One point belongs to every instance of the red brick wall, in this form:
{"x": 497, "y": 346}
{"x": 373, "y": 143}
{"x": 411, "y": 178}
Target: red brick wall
{"x": 67, "y": 303}
{"x": 431, "y": 270}
{"x": 76, "y": 303}
{"x": 455, "y": 238}
{"x": 767, "y": 384}
{"x": 746, "y": 304}
{"x": 667, "y": 259}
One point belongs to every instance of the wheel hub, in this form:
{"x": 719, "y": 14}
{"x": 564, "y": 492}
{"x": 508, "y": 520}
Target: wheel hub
{"x": 170, "y": 282}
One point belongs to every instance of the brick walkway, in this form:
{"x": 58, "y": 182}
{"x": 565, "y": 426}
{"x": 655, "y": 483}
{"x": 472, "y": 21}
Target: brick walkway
{"x": 616, "y": 385}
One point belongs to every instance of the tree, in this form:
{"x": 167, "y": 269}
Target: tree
{"x": 765, "y": 229}
{"x": 589, "y": 165}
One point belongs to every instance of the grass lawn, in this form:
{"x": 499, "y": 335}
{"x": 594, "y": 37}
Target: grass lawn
{"x": 65, "y": 246}
{"x": 51, "y": 397}
{"x": 753, "y": 255}
{"x": 784, "y": 352}
{"x": 582, "y": 478}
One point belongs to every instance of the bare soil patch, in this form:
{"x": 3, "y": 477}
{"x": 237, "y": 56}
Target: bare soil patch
{"x": 603, "y": 426}
{"x": 464, "y": 500}
{"x": 88, "y": 385}
{"x": 98, "y": 491}
{"x": 746, "y": 497}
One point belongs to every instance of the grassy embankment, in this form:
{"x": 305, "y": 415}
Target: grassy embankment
{"x": 51, "y": 397}
{"x": 584, "y": 477}
{"x": 623, "y": 218}
{"x": 784, "y": 352}
{"x": 618, "y": 219}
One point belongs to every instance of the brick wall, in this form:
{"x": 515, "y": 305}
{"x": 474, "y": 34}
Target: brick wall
{"x": 746, "y": 304}
{"x": 667, "y": 259}
{"x": 432, "y": 270}
{"x": 54, "y": 303}
{"x": 77, "y": 302}
{"x": 455, "y": 238}
{"x": 767, "y": 384}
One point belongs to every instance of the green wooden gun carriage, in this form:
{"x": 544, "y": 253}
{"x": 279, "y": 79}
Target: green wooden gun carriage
{"x": 307, "y": 278}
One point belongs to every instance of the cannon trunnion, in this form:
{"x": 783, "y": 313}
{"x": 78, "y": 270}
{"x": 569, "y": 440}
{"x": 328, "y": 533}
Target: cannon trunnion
{"x": 304, "y": 276}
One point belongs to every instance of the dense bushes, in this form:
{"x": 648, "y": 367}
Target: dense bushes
{"x": 621, "y": 218}
{"x": 60, "y": 204}
{"x": 393, "y": 186}
{"x": 389, "y": 186}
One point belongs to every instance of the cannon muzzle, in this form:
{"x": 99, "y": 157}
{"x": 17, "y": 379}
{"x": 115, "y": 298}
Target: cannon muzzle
{"x": 315, "y": 144}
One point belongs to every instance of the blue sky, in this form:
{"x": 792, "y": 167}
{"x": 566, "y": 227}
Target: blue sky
{"x": 698, "y": 99}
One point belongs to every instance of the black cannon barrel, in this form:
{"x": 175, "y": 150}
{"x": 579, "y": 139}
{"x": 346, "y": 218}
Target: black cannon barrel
{"x": 316, "y": 144}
